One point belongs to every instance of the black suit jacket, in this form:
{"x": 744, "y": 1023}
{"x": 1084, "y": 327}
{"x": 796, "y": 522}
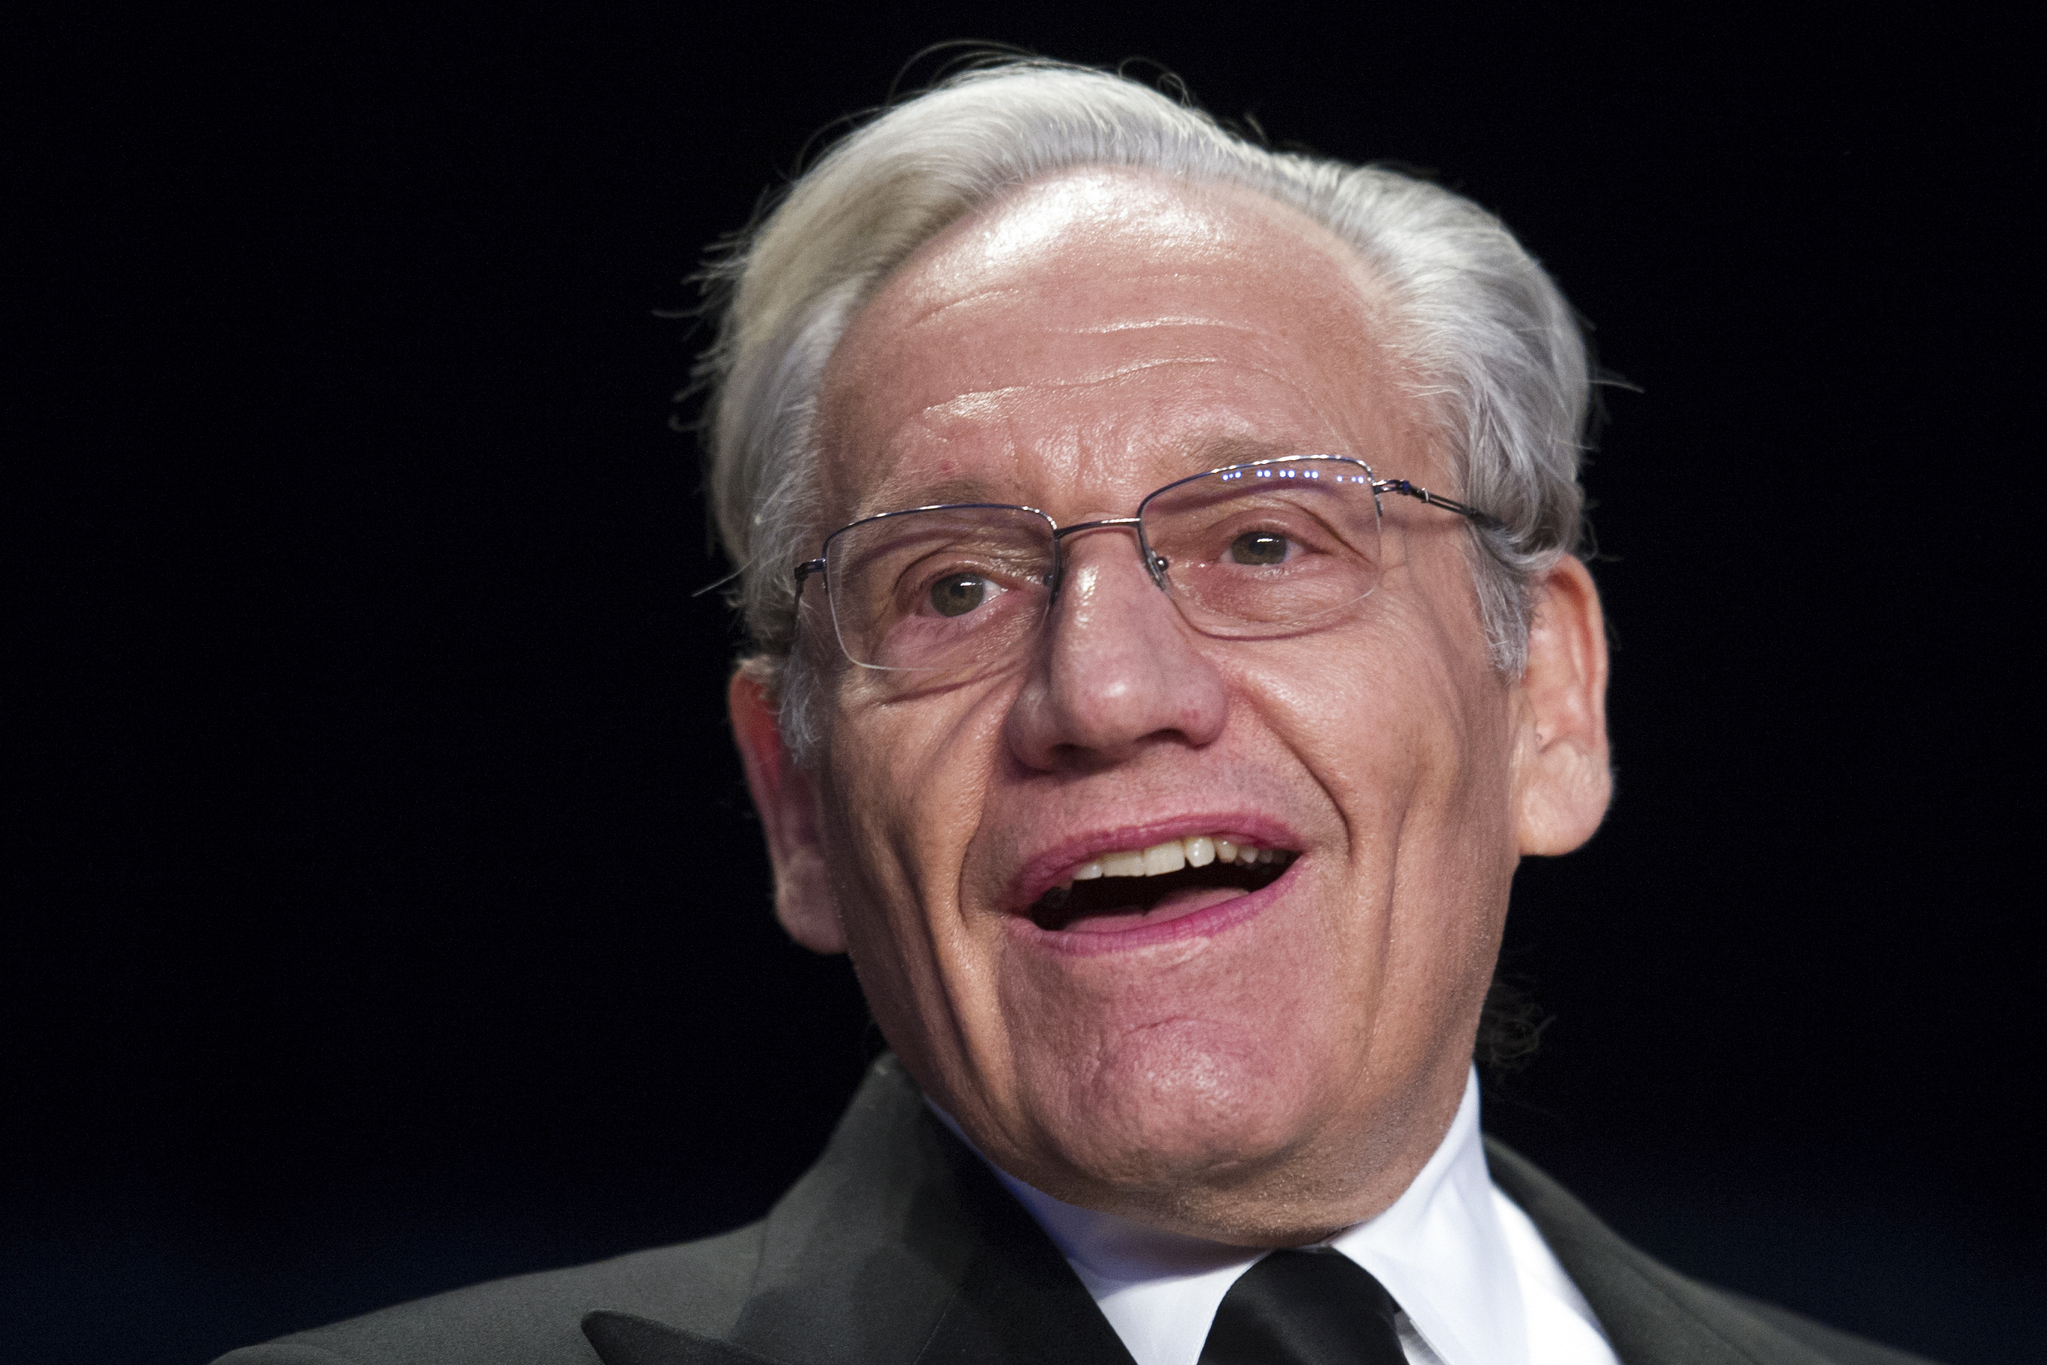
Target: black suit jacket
{"x": 898, "y": 1246}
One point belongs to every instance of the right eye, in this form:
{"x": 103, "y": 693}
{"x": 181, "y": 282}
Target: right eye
{"x": 958, "y": 593}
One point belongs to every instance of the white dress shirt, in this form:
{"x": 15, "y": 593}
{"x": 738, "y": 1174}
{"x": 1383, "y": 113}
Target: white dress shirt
{"x": 1475, "y": 1282}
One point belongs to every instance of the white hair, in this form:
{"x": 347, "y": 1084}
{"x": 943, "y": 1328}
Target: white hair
{"x": 1500, "y": 361}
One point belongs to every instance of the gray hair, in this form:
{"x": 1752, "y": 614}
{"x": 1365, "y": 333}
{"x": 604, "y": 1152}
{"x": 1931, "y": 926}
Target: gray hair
{"x": 1501, "y": 363}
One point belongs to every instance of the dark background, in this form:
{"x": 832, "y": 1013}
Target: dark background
{"x": 388, "y": 913}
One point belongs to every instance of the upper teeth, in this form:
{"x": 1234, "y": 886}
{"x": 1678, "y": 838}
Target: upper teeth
{"x": 1197, "y": 850}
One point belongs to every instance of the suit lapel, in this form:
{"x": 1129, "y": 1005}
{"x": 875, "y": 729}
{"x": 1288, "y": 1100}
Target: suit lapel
{"x": 1018, "y": 1301}
{"x": 1652, "y": 1314}
{"x": 897, "y": 1248}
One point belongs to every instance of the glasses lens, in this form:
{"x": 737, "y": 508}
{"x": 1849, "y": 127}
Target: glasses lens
{"x": 943, "y": 588}
{"x": 1267, "y": 548}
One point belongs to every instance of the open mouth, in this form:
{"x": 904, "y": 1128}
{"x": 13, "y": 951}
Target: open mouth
{"x": 1146, "y": 886}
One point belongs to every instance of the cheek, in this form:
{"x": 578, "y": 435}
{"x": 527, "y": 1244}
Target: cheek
{"x": 1447, "y": 766}
{"x": 1411, "y": 679}
{"x": 912, "y": 776}
{"x": 905, "y": 787}
{"x": 1408, "y": 738}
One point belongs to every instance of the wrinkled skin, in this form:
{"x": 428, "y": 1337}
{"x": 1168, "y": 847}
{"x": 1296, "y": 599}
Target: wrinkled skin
{"x": 1262, "y": 1077}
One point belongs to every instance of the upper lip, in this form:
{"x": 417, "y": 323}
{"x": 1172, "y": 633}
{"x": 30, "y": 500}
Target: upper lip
{"x": 1056, "y": 862}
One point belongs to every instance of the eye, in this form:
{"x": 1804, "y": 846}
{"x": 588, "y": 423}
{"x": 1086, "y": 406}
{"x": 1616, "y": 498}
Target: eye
{"x": 959, "y": 593}
{"x": 1259, "y": 547}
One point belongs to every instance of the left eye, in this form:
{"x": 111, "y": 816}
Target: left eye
{"x": 959, "y": 593}
{"x": 1259, "y": 547}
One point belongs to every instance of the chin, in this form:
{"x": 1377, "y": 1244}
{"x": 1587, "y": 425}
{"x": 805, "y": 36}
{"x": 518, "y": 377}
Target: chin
{"x": 1167, "y": 1119}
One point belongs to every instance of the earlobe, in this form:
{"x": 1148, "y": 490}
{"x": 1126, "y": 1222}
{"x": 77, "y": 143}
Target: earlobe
{"x": 1562, "y": 778}
{"x": 787, "y": 801}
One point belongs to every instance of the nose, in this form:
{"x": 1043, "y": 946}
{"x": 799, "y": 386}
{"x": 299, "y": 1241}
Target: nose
{"x": 1117, "y": 668}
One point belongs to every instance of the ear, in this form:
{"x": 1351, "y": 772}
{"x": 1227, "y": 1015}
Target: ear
{"x": 1562, "y": 781}
{"x": 787, "y": 801}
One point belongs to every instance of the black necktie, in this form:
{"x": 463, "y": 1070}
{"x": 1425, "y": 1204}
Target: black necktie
{"x": 1305, "y": 1308}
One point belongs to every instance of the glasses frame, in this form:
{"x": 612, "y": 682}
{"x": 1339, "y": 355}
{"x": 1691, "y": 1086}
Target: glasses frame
{"x": 1155, "y": 564}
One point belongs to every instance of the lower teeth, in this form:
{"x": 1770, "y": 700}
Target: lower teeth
{"x": 1145, "y": 892}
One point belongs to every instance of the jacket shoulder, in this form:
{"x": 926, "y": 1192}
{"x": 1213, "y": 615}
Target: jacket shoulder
{"x": 536, "y": 1319}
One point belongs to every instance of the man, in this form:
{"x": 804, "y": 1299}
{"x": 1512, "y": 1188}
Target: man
{"x": 1167, "y": 641}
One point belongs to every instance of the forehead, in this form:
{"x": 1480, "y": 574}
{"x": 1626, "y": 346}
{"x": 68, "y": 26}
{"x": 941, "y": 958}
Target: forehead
{"x": 1100, "y": 332}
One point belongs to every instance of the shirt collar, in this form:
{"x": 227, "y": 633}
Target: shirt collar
{"x": 1438, "y": 1249}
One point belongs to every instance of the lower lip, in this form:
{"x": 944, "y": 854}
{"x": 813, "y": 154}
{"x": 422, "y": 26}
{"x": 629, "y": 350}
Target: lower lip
{"x": 1124, "y": 933}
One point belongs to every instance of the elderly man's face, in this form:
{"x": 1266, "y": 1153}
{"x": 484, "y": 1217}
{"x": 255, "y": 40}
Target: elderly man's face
{"x": 1248, "y": 1057}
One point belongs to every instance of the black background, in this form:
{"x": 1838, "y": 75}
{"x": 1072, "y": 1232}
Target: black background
{"x": 389, "y": 914}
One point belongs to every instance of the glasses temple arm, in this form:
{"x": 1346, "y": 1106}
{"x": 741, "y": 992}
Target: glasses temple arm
{"x": 1486, "y": 520}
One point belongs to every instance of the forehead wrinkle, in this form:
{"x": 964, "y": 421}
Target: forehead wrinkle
{"x": 989, "y": 401}
{"x": 976, "y": 402}
{"x": 982, "y": 424}
{"x": 1189, "y": 320}
{"x": 1164, "y": 324}
{"x": 928, "y": 311}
